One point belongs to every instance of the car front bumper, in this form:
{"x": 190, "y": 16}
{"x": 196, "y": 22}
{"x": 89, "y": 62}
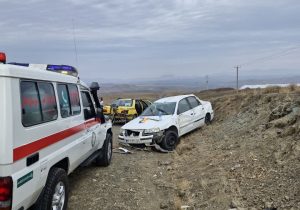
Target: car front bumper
{"x": 148, "y": 140}
{"x": 136, "y": 140}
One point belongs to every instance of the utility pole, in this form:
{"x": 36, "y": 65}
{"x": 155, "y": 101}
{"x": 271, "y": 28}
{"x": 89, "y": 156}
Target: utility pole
{"x": 206, "y": 82}
{"x": 237, "y": 78}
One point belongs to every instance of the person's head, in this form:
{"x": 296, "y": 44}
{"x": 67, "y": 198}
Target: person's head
{"x": 101, "y": 99}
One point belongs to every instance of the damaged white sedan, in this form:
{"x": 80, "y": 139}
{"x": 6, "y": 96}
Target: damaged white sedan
{"x": 166, "y": 120}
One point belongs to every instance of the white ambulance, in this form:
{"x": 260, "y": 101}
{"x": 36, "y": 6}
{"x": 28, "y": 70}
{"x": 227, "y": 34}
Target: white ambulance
{"x": 49, "y": 125}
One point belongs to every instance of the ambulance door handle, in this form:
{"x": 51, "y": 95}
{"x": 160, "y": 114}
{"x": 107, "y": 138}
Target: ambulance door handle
{"x": 92, "y": 129}
{"x": 32, "y": 159}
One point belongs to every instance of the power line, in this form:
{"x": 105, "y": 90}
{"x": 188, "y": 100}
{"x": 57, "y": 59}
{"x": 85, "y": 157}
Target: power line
{"x": 278, "y": 54}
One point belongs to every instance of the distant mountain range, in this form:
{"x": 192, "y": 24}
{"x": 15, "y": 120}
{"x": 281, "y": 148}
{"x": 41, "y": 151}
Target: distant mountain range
{"x": 185, "y": 84}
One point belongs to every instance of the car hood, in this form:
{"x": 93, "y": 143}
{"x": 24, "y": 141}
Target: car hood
{"x": 149, "y": 122}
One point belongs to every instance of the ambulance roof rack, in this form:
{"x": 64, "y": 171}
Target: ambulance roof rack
{"x": 63, "y": 69}
{"x": 19, "y": 64}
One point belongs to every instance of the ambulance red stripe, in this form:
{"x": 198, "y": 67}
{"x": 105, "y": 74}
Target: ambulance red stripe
{"x": 28, "y": 149}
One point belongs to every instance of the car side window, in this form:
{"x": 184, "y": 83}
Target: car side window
{"x": 183, "y": 106}
{"x": 194, "y": 102}
{"x": 38, "y": 103}
{"x": 88, "y": 107}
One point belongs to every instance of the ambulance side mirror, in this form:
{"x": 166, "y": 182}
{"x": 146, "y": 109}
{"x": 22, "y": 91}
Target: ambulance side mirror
{"x": 99, "y": 115}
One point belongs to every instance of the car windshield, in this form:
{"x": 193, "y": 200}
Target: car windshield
{"x": 158, "y": 109}
{"x": 122, "y": 102}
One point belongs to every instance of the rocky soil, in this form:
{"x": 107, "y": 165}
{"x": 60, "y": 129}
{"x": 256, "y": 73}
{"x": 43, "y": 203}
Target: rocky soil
{"x": 248, "y": 158}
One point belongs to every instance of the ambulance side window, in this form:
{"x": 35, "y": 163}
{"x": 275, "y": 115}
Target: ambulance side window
{"x": 88, "y": 107}
{"x": 38, "y": 103}
{"x": 74, "y": 99}
{"x": 31, "y": 107}
{"x": 64, "y": 101}
{"x": 48, "y": 101}
{"x": 69, "y": 101}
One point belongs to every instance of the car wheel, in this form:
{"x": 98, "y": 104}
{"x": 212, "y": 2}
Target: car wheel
{"x": 170, "y": 140}
{"x": 207, "y": 119}
{"x": 105, "y": 157}
{"x": 56, "y": 191}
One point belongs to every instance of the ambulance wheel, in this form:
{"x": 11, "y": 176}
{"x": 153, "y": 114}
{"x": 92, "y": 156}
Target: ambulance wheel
{"x": 56, "y": 191}
{"x": 104, "y": 158}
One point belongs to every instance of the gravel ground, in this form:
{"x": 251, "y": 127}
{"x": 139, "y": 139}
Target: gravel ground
{"x": 133, "y": 181}
{"x": 248, "y": 158}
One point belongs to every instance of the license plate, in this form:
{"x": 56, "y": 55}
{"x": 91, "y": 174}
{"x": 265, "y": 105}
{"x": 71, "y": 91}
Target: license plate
{"x": 131, "y": 140}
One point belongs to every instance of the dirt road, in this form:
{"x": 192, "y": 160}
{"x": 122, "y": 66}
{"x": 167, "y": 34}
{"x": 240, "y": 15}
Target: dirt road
{"x": 137, "y": 181}
{"x": 248, "y": 158}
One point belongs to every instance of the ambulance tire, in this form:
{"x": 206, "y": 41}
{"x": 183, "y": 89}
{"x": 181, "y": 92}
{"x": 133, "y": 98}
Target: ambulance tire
{"x": 57, "y": 179}
{"x": 104, "y": 158}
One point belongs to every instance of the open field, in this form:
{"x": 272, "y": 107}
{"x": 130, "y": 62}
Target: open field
{"x": 248, "y": 158}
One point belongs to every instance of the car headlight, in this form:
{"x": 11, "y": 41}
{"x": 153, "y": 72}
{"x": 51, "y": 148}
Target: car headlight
{"x": 122, "y": 131}
{"x": 153, "y": 130}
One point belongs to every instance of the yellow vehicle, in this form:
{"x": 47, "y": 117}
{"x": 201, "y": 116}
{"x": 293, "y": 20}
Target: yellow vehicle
{"x": 124, "y": 110}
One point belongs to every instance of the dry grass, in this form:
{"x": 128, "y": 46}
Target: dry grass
{"x": 290, "y": 89}
{"x": 151, "y": 96}
{"x": 204, "y": 95}
{"x": 273, "y": 89}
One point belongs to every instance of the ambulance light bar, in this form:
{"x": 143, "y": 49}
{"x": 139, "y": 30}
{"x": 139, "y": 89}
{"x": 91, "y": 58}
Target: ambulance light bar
{"x": 2, "y": 57}
{"x": 63, "y": 69}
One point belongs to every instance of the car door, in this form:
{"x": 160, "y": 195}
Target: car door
{"x": 185, "y": 116}
{"x": 145, "y": 105}
{"x": 138, "y": 107}
{"x": 199, "y": 112}
{"x": 92, "y": 126}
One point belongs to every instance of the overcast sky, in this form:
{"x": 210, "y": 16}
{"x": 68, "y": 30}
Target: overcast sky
{"x": 150, "y": 38}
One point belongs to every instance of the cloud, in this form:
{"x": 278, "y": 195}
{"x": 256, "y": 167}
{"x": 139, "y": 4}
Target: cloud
{"x": 164, "y": 36}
